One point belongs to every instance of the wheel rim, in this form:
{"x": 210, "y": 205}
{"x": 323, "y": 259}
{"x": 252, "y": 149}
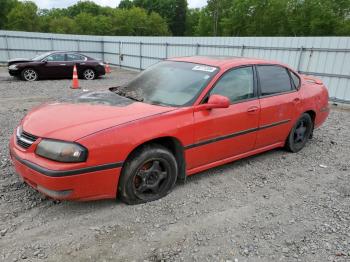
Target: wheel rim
{"x": 300, "y": 133}
{"x": 151, "y": 178}
{"x": 30, "y": 75}
{"x": 89, "y": 74}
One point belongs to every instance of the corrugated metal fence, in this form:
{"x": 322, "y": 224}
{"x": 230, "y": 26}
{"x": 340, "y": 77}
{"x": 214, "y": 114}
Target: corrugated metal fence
{"x": 325, "y": 57}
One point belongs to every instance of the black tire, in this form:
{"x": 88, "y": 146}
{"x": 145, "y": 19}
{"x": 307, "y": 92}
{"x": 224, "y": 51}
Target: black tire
{"x": 300, "y": 133}
{"x": 89, "y": 74}
{"x": 29, "y": 74}
{"x": 150, "y": 174}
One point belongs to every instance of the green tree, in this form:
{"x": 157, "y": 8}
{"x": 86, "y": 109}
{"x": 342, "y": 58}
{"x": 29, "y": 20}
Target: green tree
{"x": 204, "y": 27}
{"x": 137, "y": 22}
{"x": 87, "y": 7}
{"x": 157, "y": 25}
{"x": 5, "y": 8}
{"x": 178, "y": 21}
{"x": 63, "y": 25}
{"x": 192, "y": 20}
{"x": 173, "y": 11}
{"x": 23, "y": 16}
{"x": 125, "y": 4}
{"x": 85, "y": 23}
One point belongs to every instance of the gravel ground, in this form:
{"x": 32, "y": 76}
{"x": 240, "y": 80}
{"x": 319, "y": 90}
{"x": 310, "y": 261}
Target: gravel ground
{"x": 276, "y": 206}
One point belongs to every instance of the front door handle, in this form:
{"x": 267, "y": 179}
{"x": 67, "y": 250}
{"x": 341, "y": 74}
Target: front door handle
{"x": 62, "y": 64}
{"x": 253, "y": 110}
{"x": 296, "y": 100}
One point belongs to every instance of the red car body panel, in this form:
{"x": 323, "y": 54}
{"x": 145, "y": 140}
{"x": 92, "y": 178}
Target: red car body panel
{"x": 208, "y": 137}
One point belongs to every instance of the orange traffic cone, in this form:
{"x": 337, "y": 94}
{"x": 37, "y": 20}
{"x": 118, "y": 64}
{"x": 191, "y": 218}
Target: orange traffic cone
{"x": 75, "y": 82}
{"x": 107, "y": 68}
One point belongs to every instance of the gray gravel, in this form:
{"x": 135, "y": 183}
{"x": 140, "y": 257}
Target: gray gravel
{"x": 276, "y": 206}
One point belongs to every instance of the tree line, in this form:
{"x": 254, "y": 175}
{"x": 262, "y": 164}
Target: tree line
{"x": 174, "y": 17}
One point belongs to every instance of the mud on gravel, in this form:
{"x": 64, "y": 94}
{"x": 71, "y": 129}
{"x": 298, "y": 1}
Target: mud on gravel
{"x": 276, "y": 206}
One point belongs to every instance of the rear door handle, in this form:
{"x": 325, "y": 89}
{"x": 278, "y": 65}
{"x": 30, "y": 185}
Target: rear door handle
{"x": 253, "y": 109}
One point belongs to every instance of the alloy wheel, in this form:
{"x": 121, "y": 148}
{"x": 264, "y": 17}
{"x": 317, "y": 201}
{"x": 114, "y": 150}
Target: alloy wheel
{"x": 89, "y": 74}
{"x": 151, "y": 178}
{"x": 300, "y": 132}
{"x": 30, "y": 75}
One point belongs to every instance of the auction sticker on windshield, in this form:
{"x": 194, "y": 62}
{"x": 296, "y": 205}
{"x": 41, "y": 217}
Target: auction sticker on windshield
{"x": 204, "y": 68}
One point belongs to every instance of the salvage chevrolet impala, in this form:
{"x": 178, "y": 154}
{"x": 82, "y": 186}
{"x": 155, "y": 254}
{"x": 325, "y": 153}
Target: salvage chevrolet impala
{"x": 177, "y": 118}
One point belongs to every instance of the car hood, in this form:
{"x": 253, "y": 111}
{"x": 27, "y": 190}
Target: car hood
{"x": 18, "y": 60}
{"x": 74, "y": 118}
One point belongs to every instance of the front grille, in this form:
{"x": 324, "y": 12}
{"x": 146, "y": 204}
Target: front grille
{"x": 25, "y": 140}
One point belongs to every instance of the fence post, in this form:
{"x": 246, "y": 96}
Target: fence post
{"x": 300, "y": 58}
{"x": 140, "y": 56}
{"x": 242, "y": 50}
{"x": 120, "y": 54}
{"x": 7, "y": 48}
{"x": 166, "y": 50}
{"x": 103, "y": 49}
{"x": 197, "y": 49}
{"x": 52, "y": 44}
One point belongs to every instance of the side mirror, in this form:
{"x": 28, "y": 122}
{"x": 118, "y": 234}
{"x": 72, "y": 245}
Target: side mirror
{"x": 215, "y": 101}
{"x": 44, "y": 61}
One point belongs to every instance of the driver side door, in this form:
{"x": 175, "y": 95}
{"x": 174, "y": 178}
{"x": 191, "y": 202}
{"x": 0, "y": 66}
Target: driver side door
{"x": 227, "y": 132}
{"x": 55, "y": 66}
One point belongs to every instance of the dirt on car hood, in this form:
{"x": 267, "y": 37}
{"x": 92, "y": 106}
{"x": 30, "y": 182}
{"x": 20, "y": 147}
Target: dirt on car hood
{"x": 79, "y": 116}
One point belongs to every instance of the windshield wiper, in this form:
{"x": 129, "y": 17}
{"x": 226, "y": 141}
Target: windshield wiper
{"x": 122, "y": 91}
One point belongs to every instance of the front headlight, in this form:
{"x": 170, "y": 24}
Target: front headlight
{"x": 61, "y": 151}
{"x": 101, "y": 64}
{"x": 13, "y": 67}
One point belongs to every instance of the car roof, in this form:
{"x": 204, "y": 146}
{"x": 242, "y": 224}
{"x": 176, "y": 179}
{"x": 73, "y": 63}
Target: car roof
{"x": 223, "y": 61}
{"x": 68, "y": 52}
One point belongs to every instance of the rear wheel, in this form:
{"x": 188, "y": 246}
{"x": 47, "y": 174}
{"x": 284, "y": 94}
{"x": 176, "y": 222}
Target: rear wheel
{"x": 300, "y": 133}
{"x": 89, "y": 74}
{"x": 29, "y": 74}
{"x": 149, "y": 175}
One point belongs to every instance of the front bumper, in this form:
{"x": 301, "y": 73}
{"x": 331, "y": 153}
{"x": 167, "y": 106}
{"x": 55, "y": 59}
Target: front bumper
{"x": 14, "y": 72}
{"x": 74, "y": 184}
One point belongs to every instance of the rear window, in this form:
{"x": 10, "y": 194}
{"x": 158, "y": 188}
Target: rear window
{"x": 75, "y": 57}
{"x": 274, "y": 80}
{"x": 296, "y": 79}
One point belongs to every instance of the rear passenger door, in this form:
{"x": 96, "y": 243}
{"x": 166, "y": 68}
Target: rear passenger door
{"x": 280, "y": 104}
{"x": 78, "y": 60}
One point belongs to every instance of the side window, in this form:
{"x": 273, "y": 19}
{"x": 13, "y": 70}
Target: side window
{"x": 274, "y": 80}
{"x": 296, "y": 80}
{"x": 55, "y": 58}
{"x": 237, "y": 84}
{"x": 75, "y": 57}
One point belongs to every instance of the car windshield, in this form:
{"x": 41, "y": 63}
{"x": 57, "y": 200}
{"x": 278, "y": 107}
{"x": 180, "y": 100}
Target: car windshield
{"x": 40, "y": 57}
{"x": 169, "y": 83}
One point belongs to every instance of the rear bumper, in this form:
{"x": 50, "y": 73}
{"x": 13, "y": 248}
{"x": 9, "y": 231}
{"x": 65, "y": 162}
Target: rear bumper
{"x": 322, "y": 116}
{"x": 100, "y": 70}
{"x": 93, "y": 185}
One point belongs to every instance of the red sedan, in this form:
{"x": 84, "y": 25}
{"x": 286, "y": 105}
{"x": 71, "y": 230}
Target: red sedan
{"x": 177, "y": 118}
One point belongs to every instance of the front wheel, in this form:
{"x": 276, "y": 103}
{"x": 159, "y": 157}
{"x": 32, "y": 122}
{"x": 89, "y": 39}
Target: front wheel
{"x": 89, "y": 74}
{"x": 300, "y": 133}
{"x": 149, "y": 175}
{"x": 29, "y": 74}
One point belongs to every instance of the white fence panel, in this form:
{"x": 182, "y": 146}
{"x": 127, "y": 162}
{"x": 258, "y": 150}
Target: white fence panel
{"x": 324, "y": 57}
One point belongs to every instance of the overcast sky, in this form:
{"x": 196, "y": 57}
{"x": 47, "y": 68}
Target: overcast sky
{"x": 113, "y": 3}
